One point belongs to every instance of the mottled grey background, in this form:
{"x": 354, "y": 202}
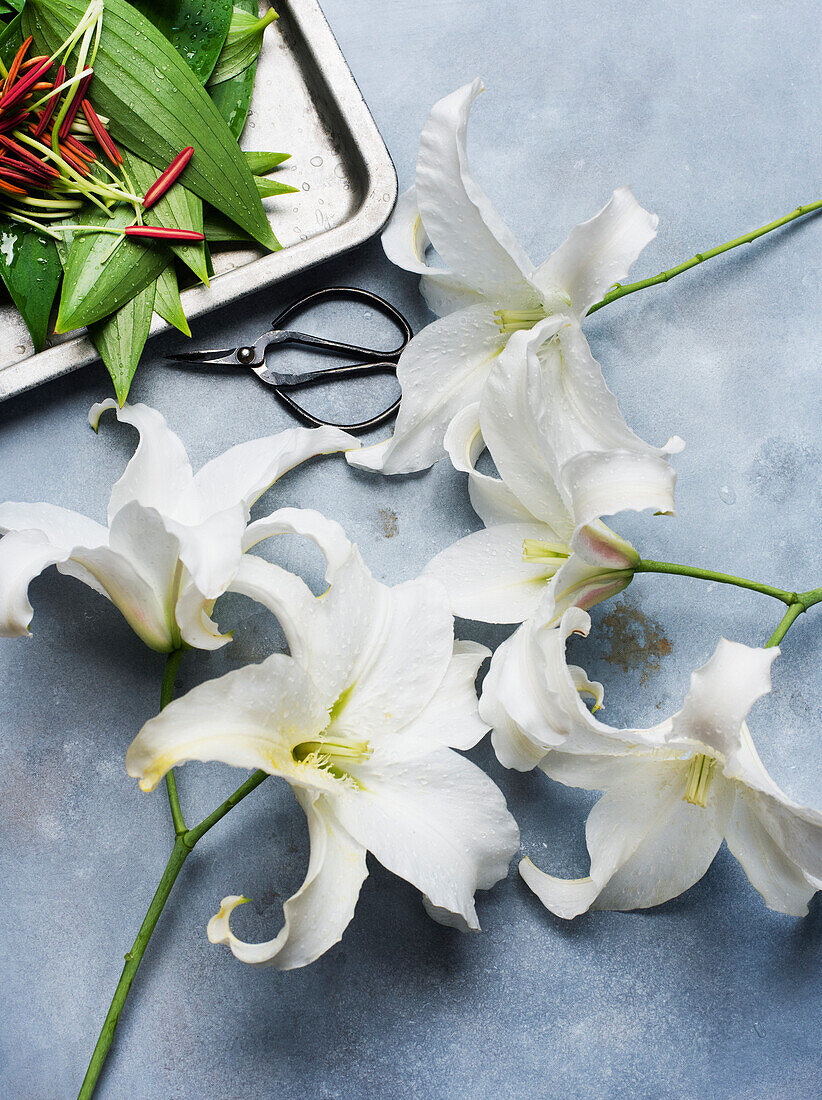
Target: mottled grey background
{"x": 712, "y": 112}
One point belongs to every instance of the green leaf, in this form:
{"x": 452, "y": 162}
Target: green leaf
{"x": 167, "y": 301}
{"x": 197, "y": 31}
{"x": 263, "y": 163}
{"x": 156, "y": 105}
{"x": 242, "y": 44}
{"x": 30, "y": 268}
{"x": 98, "y": 281}
{"x": 179, "y": 208}
{"x": 232, "y": 98}
{"x": 120, "y": 339}
{"x": 11, "y": 40}
{"x": 267, "y": 187}
{"x": 220, "y": 230}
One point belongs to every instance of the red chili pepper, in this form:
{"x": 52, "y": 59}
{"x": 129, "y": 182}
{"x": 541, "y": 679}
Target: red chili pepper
{"x": 163, "y": 233}
{"x": 100, "y": 132}
{"x": 167, "y": 178}
{"x": 79, "y": 95}
{"x": 49, "y": 109}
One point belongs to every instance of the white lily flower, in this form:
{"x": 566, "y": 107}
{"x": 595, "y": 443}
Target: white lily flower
{"x": 362, "y": 720}
{"x": 672, "y": 792}
{"x": 174, "y": 538}
{"x": 488, "y": 287}
{"x": 565, "y": 457}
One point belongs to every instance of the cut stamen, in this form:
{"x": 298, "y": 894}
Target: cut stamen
{"x": 700, "y": 774}
{"x": 163, "y": 233}
{"x": 100, "y": 132}
{"x": 168, "y": 177}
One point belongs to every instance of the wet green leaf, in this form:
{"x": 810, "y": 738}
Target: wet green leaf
{"x": 232, "y": 98}
{"x": 196, "y": 30}
{"x": 98, "y": 281}
{"x": 242, "y": 44}
{"x": 120, "y": 339}
{"x": 156, "y": 105}
{"x": 267, "y": 187}
{"x": 30, "y": 268}
{"x": 167, "y": 301}
{"x": 179, "y": 208}
{"x": 263, "y": 163}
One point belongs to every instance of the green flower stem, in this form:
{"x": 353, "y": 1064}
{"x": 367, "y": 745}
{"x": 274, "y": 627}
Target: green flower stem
{"x": 166, "y": 695}
{"x": 184, "y": 843}
{"x": 619, "y": 291}
{"x": 785, "y": 624}
{"x": 647, "y": 566}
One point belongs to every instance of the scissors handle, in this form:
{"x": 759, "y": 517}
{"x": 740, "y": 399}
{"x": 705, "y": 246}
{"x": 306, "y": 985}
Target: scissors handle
{"x": 331, "y": 373}
{"x": 334, "y": 346}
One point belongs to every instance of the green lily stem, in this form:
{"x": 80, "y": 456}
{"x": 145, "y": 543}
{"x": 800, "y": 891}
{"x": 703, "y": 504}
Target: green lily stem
{"x": 785, "y": 623}
{"x": 648, "y": 566}
{"x": 185, "y": 840}
{"x": 620, "y": 290}
{"x": 166, "y": 695}
{"x": 798, "y": 602}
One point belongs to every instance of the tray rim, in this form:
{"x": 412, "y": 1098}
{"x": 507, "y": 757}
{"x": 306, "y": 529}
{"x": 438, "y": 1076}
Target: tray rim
{"x": 367, "y": 220}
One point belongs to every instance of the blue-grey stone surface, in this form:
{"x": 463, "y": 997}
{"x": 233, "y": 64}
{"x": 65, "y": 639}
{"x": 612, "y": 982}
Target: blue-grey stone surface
{"x": 712, "y": 112}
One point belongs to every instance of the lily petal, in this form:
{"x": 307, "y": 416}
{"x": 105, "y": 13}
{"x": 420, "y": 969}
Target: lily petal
{"x": 23, "y": 556}
{"x": 717, "y": 704}
{"x": 509, "y": 412}
{"x": 533, "y": 697}
{"x": 779, "y": 846}
{"x": 193, "y": 615}
{"x": 318, "y": 914}
{"x": 601, "y": 466}
{"x": 243, "y": 473}
{"x": 159, "y": 473}
{"x": 403, "y": 660}
{"x": 450, "y": 717}
{"x": 647, "y": 844}
{"x": 598, "y": 253}
{"x": 442, "y": 369}
{"x": 246, "y": 718}
{"x": 407, "y": 813}
{"x": 491, "y": 498}
{"x": 140, "y": 573}
{"x": 406, "y": 242}
{"x": 458, "y": 217}
{"x": 486, "y": 577}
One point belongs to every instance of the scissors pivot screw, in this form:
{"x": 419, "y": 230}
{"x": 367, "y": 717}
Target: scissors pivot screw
{"x": 245, "y": 355}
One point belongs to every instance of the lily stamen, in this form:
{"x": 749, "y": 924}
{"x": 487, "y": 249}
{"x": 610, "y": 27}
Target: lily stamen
{"x": 700, "y": 774}
{"x": 167, "y": 178}
{"x": 536, "y": 551}
{"x": 513, "y": 320}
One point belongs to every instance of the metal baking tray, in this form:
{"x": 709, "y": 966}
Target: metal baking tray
{"x": 307, "y": 103}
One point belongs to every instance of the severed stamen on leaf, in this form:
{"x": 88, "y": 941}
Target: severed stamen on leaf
{"x": 167, "y": 178}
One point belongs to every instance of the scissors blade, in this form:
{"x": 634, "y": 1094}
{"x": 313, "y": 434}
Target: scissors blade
{"x": 219, "y": 357}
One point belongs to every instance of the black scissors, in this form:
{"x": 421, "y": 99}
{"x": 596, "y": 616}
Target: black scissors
{"x": 369, "y": 360}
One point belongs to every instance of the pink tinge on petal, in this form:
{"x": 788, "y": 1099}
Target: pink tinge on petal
{"x": 601, "y": 549}
{"x": 596, "y": 594}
